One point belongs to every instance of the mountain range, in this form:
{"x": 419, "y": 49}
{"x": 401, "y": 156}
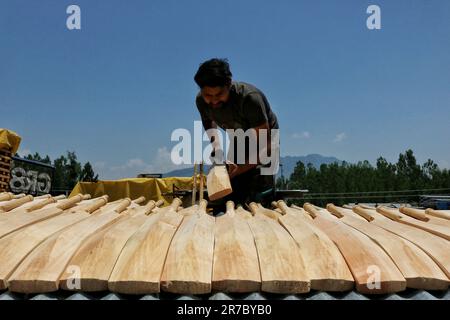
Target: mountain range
{"x": 288, "y": 164}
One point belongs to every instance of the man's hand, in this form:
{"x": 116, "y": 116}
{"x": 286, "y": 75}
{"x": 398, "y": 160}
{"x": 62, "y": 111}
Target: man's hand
{"x": 232, "y": 169}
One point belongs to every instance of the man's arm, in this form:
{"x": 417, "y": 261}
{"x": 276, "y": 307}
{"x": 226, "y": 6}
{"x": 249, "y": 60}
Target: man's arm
{"x": 209, "y": 126}
{"x": 235, "y": 170}
{"x": 255, "y": 112}
{"x": 212, "y": 132}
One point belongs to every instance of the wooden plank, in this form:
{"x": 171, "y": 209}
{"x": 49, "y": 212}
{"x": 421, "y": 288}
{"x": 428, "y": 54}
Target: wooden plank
{"x": 5, "y": 171}
{"x": 373, "y": 270}
{"x": 443, "y": 214}
{"x": 324, "y": 263}
{"x": 280, "y": 262}
{"x": 419, "y": 270}
{"x": 17, "y": 245}
{"x": 188, "y": 266}
{"x": 98, "y": 254}
{"x": 41, "y": 269}
{"x": 441, "y": 231}
{"x": 437, "y": 248}
{"x": 5, "y": 164}
{"x": 139, "y": 266}
{"x": 236, "y": 264}
{"x": 16, "y": 221}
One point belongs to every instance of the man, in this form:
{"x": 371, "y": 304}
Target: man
{"x": 236, "y": 105}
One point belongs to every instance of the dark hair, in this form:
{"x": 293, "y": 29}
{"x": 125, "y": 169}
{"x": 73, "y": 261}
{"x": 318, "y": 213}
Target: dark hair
{"x": 213, "y": 73}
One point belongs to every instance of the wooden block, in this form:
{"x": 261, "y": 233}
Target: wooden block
{"x": 98, "y": 254}
{"x": 324, "y": 263}
{"x": 236, "y": 264}
{"x": 218, "y": 182}
{"x": 5, "y": 163}
{"x": 189, "y": 262}
{"x": 41, "y": 269}
{"x": 373, "y": 270}
{"x": 417, "y": 267}
{"x": 281, "y": 265}
{"x": 139, "y": 266}
{"x": 5, "y": 171}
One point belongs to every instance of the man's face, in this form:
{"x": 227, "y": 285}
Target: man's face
{"x": 215, "y": 96}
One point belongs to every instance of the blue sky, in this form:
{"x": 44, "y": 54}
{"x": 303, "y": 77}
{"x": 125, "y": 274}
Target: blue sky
{"x": 116, "y": 89}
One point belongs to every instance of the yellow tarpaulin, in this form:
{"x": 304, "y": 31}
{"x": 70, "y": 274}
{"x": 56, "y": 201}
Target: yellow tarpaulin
{"x": 9, "y": 140}
{"x": 150, "y": 188}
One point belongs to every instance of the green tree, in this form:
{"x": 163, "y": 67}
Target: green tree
{"x": 68, "y": 170}
{"x": 88, "y": 174}
{"x": 363, "y": 178}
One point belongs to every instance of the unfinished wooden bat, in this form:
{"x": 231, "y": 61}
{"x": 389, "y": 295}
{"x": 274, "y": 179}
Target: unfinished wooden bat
{"x": 140, "y": 264}
{"x": 281, "y": 265}
{"x": 98, "y": 255}
{"x": 41, "y": 269}
{"x": 324, "y": 263}
{"x": 189, "y": 262}
{"x": 373, "y": 270}
{"x": 417, "y": 267}
{"x": 236, "y": 264}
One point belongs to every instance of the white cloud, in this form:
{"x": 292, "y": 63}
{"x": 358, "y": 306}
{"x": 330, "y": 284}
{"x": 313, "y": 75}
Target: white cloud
{"x": 161, "y": 163}
{"x": 340, "y": 137}
{"x": 303, "y": 135}
{"x": 135, "y": 163}
{"x": 99, "y": 165}
{"x": 24, "y": 152}
{"x": 443, "y": 164}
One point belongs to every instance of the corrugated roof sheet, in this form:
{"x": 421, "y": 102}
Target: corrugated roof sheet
{"x": 313, "y": 295}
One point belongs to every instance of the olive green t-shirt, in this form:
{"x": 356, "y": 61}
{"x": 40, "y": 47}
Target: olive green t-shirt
{"x": 247, "y": 107}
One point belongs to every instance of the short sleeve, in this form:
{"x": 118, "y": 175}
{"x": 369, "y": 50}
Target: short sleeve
{"x": 254, "y": 109}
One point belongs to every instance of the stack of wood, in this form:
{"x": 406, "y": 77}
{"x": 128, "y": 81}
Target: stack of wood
{"x": 5, "y": 169}
{"x": 52, "y": 243}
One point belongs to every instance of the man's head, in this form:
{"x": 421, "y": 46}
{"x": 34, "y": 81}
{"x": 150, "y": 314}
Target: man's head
{"x": 214, "y": 79}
